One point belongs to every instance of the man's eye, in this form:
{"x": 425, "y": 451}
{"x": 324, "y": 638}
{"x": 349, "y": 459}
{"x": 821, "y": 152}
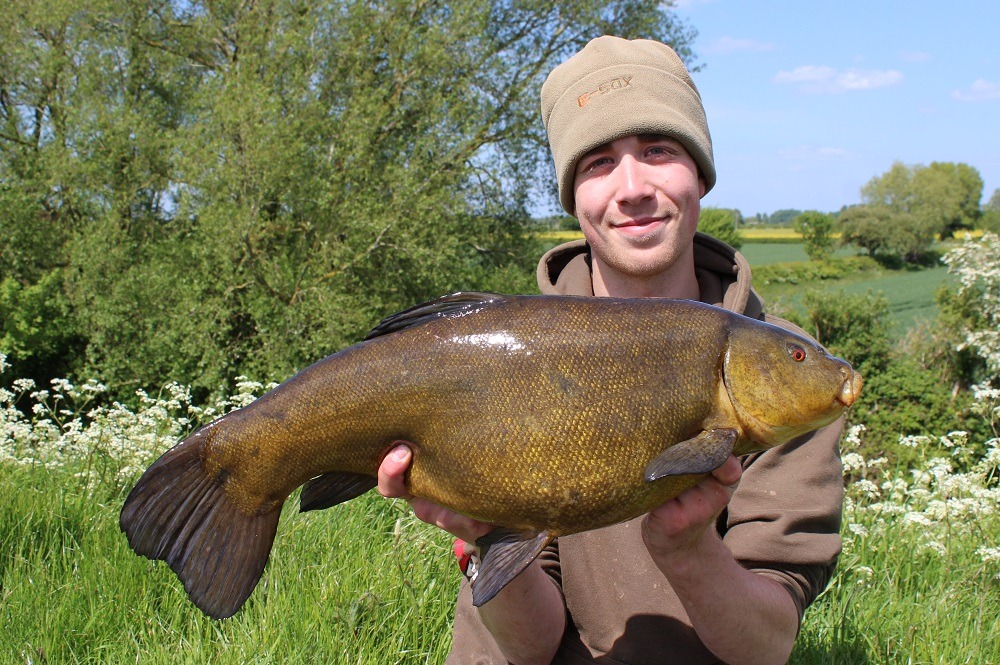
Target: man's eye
{"x": 596, "y": 163}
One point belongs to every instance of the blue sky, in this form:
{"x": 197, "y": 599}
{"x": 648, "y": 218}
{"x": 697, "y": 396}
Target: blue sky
{"x": 808, "y": 101}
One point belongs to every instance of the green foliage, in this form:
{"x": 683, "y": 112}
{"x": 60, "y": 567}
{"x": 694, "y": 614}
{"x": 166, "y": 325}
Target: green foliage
{"x": 782, "y": 217}
{"x": 907, "y": 208}
{"x": 990, "y": 218}
{"x": 36, "y": 328}
{"x": 854, "y": 327}
{"x": 801, "y": 272}
{"x": 906, "y": 398}
{"x": 721, "y": 223}
{"x": 243, "y": 189}
{"x": 816, "y": 229}
{"x": 909, "y": 386}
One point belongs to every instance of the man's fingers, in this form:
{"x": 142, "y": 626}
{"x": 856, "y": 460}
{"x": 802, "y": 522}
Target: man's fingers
{"x": 392, "y": 473}
{"x": 730, "y": 472}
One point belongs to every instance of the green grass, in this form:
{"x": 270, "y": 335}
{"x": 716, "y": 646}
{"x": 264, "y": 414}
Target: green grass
{"x": 910, "y": 292}
{"x": 362, "y": 583}
{"x": 767, "y": 253}
{"x": 365, "y": 583}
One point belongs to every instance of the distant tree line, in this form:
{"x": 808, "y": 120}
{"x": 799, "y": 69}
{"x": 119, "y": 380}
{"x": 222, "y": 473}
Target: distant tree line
{"x": 193, "y": 191}
{"x": 902, "y": 214}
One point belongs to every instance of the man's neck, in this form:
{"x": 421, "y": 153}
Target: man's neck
{"x": 679, "y": 282}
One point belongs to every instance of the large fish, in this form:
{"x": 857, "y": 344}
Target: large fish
{"x": 546, "y": 415}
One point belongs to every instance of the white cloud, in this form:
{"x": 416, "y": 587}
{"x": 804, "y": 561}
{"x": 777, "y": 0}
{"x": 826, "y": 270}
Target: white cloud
{"x": 823, "y": 79}
{"x": 980, "y": 90}
{"x": 726, "y": 45}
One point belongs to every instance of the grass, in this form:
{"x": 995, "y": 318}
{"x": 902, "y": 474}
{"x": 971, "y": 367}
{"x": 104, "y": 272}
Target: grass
{"x": 364, "y": 583}
{"x": 910, "y": 293}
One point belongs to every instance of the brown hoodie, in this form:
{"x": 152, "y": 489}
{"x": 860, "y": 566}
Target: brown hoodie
{"x": 783, "y": 520}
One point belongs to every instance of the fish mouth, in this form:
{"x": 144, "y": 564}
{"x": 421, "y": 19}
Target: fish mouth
{"x": 851, "y": 388}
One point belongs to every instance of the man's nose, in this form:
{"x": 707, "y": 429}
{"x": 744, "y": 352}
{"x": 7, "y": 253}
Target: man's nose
{"x": 632, "y": 184}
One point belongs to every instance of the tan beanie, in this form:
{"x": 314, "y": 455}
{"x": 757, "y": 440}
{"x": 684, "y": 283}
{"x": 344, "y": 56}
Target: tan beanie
{"x": 615, "y": 88}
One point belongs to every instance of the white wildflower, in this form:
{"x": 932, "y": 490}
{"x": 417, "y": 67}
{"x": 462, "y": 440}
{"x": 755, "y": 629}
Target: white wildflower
{"x": 867, "y": 488}
{"x": 853, "y": 462}
{"x": 853, "y": 436}
{"x": 935, "y": 547}
{"x": 865, "y": 575}
{"x": 914, "y": 441}
{"x": 24, "y": 385}
{"x": 917, "y": 518}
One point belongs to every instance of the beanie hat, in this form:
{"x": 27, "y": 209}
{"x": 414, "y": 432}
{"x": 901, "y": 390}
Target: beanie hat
{"x": 613, "y": 88}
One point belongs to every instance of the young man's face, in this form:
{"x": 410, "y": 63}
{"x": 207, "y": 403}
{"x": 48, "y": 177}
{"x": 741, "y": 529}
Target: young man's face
{"x": 638, "y": 201}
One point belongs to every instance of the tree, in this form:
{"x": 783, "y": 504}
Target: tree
{"x": 948, "y": 194}
{"x": 854, "y": 327}
{"x": 246, "y": 187}
{"x": 784, "y": 216}
{"x": 816, "y": 229}
{"x": 867, "y": 227}
{"x": 721, "y": 223}
{"x": 922, "y": 203}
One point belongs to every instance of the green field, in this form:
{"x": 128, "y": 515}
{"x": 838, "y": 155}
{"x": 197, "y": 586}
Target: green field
{"x": 765, "y": 253}
{"x": 910, "y": 292}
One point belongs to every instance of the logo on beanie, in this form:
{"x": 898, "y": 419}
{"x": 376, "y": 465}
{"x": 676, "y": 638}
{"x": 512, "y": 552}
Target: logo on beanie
{"x": 606, "y": 87}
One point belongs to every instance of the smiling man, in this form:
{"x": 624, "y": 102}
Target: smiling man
{"x": 724, "y": 572}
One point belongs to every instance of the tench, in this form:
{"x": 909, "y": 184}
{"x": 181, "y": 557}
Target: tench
{"x": 545, "y": 415}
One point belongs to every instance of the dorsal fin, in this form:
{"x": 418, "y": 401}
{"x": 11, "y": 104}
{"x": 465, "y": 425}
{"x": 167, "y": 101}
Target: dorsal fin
{"x": 456, "y": 304}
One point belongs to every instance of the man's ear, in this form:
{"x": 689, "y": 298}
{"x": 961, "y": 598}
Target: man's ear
{"x": 701, "y": 187}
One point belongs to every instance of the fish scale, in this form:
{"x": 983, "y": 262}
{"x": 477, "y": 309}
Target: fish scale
{"x": 544, "y": 415}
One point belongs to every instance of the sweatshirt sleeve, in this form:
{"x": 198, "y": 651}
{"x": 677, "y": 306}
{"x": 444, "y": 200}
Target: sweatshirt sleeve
{"x": 784, "y": 520}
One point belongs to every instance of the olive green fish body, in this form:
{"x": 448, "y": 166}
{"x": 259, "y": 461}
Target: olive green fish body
{"x": 544, "y": 415}
{"x": 544, "y": 422}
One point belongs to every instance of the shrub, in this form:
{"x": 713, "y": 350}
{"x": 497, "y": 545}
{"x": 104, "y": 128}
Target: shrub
{"x": 816, "y": 229}
{"x": 721, "y": 223}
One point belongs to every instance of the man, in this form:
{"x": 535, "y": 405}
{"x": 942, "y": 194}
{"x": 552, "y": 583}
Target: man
{"x": 721, "y": 573}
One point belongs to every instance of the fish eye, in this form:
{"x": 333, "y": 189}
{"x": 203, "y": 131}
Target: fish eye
{"x": 797, "y": 353}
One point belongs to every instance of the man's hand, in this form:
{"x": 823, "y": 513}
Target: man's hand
{"x": 527, "y": 618}
{"x": 392, "y": 484}
{"x": 740, "y": 616}
{"x": 680, "y": 526}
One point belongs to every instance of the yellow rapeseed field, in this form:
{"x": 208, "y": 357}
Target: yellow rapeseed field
{"x": 749, "y": 235}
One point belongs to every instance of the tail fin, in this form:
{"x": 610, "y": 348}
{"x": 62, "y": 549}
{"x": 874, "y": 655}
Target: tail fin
{"x": 181, "y": 515}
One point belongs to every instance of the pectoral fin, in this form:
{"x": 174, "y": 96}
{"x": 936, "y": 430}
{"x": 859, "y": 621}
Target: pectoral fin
{"x": 701, "y": 454}
{"x": 332, "y": 488}
{"x": 505, "y": 554}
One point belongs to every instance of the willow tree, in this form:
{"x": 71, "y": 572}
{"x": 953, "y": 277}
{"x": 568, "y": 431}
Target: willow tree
{"x": 244, "y": 187}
